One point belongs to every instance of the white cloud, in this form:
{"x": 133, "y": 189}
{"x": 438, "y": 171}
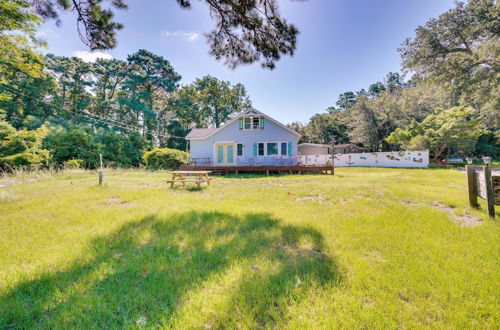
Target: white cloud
{"x": 91, "y": 56}
{"x": 47, "y": 33}
{"x": 189, "y": 36}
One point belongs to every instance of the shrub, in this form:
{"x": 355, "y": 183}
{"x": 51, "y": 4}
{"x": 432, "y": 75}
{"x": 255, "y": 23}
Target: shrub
{"x": 122, "y": 150}
{"x": 22, "y": 148}
{"x": 26, "y": 159}
{"x": 73, "y": 164}
{"x": 163, "y": 158}
{"x": 73, "y": 143}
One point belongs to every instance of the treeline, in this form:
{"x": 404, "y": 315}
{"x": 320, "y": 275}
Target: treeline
{"x": 57, "y": 110}
{"x": 117, "y": 108}
{"x": 450, "y": 104}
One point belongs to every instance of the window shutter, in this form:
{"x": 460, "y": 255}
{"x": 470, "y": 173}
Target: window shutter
{"x": 290, "y": 149}
{"x": 261, "y": 123}
{"x": 255, "y": 149}
{"x": 241, "y": 123}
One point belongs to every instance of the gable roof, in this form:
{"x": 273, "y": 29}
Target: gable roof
{"x": 204, "y": 133}
{"x": 200, "y": 133}
{"x": 315, "y": 145}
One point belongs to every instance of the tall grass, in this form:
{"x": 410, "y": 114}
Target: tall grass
{"x": 366, "y": 248}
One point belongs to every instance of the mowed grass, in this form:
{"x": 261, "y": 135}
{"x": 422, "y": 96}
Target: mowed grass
{"x": 366, "y": 248}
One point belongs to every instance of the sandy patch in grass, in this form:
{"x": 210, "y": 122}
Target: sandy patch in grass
{"x": 463, "y": 220}
{"x": 117, "y": 201}
{"x": 5, "y": 196}
{"x": 312, "y": 198}
{"x": 466, "y": 220}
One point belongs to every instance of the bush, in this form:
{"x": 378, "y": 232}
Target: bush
{"x": 27, "y": 159}
{"x": 73, "y": 164}
{"x": 117, "y": 149}
{"x": 163, "y": 158}
{"x": 73, "y": 143}
{"x": 121, "y": 150}
{"x": 22, "y": 148}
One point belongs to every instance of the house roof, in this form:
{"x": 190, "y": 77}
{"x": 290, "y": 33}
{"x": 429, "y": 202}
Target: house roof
{"x": 315, "y": 145}
{"x": 195, "y": 135}
{"x": 200, "y": 133}
{"x": 347, "y": 145}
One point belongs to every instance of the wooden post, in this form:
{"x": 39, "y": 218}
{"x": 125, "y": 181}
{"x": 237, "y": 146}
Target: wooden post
{"x": 490, "y": 198}
{"x": 333, "y": 157}
{"x": 101, "y": 173}
{"x": 472, "y": 185}
{"x": 101, "y": 177}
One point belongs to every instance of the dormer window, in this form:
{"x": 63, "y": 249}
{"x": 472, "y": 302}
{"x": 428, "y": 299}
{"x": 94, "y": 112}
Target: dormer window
{"x": 251, "y": 123}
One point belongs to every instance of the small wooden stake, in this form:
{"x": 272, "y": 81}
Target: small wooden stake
{"x": 101, "y": 172}
{"x": 472, "y": 185}
{"x": 490, "y": 198}
{"x": 101, "y": 177}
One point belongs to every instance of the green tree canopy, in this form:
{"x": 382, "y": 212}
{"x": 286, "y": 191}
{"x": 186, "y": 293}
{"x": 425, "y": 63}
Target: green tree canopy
{"x": 209, "y": 101}
{"x": 18, "y": 42}
{"x": 460, "y": 49}
{"x": 453, "y": 130}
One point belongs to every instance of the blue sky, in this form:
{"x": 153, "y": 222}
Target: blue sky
{"x": 343, "y": 45}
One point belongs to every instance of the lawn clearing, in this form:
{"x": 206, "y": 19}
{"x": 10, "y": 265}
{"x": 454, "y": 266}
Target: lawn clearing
{"x": 371, "y": 248}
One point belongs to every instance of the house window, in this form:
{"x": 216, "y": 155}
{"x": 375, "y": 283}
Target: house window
{"x": 247, "y": 123}
{"x": 251, "y": 123}
{"x": 284, "y": 148}
{"x": 239, "y": 149}
{"x": 272, "y": 148}
{"x": 255, "y": 123}
{"x": 261, "y": 149}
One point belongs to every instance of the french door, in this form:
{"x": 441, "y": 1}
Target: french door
{"x": 224, "y": 153}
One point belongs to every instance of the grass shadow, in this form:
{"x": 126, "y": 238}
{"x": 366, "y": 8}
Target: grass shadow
{"x": 144, "y": 272}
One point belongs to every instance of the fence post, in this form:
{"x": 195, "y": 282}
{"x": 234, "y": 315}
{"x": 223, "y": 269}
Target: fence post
{"x": 333, "y": 158}
{"x": 472, "y": 185}
{"x": 101, "y": 172}
{"x": 490, "y": 199}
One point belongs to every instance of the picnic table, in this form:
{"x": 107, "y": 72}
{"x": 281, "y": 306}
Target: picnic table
{"x": 197, "y": 177}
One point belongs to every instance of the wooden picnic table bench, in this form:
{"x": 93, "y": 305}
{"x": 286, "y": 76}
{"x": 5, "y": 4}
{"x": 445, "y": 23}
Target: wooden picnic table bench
{"x": 197, "y": 177}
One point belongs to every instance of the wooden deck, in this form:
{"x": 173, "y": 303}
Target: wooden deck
{"x": 296, "y": 169}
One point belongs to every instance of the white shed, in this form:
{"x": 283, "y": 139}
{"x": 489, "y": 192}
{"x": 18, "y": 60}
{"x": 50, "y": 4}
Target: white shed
{"x": 306, "y": 149}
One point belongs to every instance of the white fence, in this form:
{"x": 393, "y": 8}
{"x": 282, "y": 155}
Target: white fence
{"x": 410, "y": 159}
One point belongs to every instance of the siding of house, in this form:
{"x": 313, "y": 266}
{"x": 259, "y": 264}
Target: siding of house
{"x": 232, "y": 133}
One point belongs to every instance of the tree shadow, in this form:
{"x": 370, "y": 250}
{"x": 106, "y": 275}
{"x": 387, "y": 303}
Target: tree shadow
{"x": 143, "y": 273}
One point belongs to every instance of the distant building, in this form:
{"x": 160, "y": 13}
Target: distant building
{"x": 348, "y": 148}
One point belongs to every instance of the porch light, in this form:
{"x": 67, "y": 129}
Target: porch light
{"x": 487, "y": 160}
{"x": 469, "y": 160}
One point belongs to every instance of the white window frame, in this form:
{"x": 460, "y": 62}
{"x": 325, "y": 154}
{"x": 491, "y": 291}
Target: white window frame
{"x": 279, "y": 149}
{"x": 251, "y": 123}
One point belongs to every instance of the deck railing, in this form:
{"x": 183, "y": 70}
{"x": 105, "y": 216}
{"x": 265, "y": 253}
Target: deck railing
{"x": 315, "y": 160}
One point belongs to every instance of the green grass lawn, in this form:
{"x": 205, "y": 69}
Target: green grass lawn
{"x": 366, "y": 248}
